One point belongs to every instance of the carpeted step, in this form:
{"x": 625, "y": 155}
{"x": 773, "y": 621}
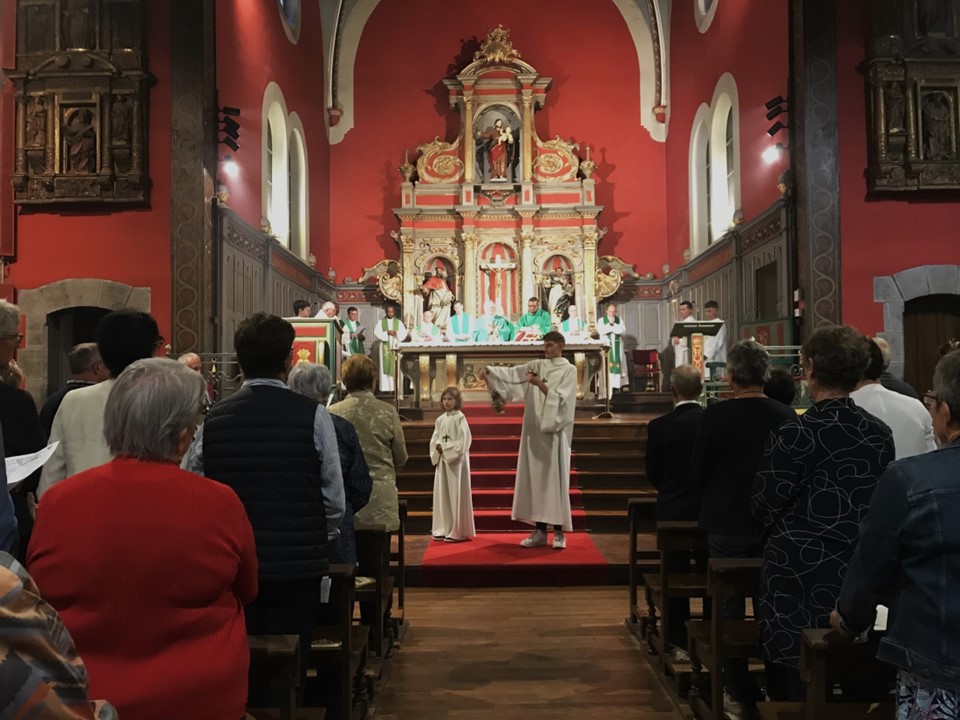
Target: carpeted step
{"x": 502, "y": 498}
{"x": 498, "y": 560}
{"x": 497, "y": 443}
{"x": 485, "y": 410}
{"x": 493, "y": 461}
{"x": 496, "y": 427}
{"x": 499, "y": 521}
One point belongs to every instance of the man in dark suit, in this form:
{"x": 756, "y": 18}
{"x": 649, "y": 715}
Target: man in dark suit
{"x": 669, "y": 458}
{"x": 888, "y": 379}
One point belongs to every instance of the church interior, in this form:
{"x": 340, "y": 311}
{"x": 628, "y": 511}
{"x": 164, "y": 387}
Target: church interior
{"x": 494, "y": 172}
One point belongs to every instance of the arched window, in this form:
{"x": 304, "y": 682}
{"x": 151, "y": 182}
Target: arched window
{"x": 286, "y": 172}
{"x": 297, "y": 206}
{"x": 290, "y": 17}
{"x": 701, "y": 184}
{"x": 268, "y": 174}
{"x": 704, "y": 12}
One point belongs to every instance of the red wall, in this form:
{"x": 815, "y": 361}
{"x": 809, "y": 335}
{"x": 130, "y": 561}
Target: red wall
{"x": 252, "y": 50}
{"x": 408, "y": 47}
{"x": 880, "y": 236}
{"x": 130, "y": 246}
{"x": 748, "y": 40}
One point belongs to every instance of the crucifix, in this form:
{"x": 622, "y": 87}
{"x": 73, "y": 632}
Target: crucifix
{"x": 497, "y": 270}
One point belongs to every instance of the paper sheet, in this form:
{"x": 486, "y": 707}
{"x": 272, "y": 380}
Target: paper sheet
{"x": 20, "y": 467}
{"x": 881, "y": 622}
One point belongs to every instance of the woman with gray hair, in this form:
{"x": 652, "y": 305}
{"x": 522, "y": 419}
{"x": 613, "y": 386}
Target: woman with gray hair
{"x": 726, "y": 457}
{"x": 315, "y": 381}
{"x": 150, "y": 566}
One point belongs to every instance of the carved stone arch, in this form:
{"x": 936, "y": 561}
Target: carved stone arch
{"x": 38, "y": 304}
{"x": 894, "y": 291}
{"x": 649, "y": 28}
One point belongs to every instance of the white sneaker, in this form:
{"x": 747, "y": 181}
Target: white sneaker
{"x": 559, "y": 540}
{"x": 538, "y": 538}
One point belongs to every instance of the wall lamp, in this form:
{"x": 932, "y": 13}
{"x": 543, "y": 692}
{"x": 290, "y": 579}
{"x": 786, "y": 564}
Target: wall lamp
{"x": 230, "y": 167}
{"x": 775, "y": 108}
{"x": 775, "y": 128}
{"x": 778, "y": 100}
{"x": 773, "y": 153}
{"x": 230, "y": 127}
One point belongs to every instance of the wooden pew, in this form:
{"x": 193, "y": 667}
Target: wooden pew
{"x": 684, "y": 537}
{"x": 276, "y": 660}
{"x": 826, "y": 660}
{"x": 398, "y": 569}
{"x": 341, "y": 647}
{"x": 373, "y": 557}
{"x": 640, "y": 513}
{"x": 714, "y": 641}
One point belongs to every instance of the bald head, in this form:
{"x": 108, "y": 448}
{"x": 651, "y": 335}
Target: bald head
{"x": 685, "y": 383}
{"x": 192, "y": 361}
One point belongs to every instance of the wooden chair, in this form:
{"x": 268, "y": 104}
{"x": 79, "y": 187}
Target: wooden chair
{"x": 673, "y": 537}
{"x": 826, "y": 660}
{"x": 640, "y": 512}
{"x": 712, "y": 642}
{"x": 373, "y": 558}
{"x": 275, "y": 661}
{"x": 342, "y": 646}
{"x": 646, "y": 370}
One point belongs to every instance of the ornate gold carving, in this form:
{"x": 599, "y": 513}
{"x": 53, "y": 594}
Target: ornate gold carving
{"x": 619, "y": 265}
{"x": 439, "y": 162}
{"x": 607, "y": 283}
{"x": 497, "y": 48}
{"x": 555, "y": 160}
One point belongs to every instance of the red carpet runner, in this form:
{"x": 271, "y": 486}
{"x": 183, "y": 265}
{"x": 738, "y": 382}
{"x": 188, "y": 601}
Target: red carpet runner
{"x": 497, "y": 560}
{"x": 494, "y": 558}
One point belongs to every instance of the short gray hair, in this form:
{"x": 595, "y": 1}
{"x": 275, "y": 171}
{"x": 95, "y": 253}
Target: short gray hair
{"x": 686, "y": 382}
{"x": 884, "y": 350}
{"x": 748, "y": 364}
{"x": 152, "y": 403}
{"x": 312, "y": 380}
{"x": 9, "y": 319}
{"x": 946, "y": 383}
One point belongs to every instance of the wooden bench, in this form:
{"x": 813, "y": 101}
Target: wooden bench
{"x": 342, "y": 647}
{"x": 398, "y": 569}
{"x": 640, "y": 513}
{"x": 713, "y": 642}
{"x": 275, "y": 661}
{"x": 373, "y": 557}
{"x": 827, "y": 660}
{"x": 673, "y": 537}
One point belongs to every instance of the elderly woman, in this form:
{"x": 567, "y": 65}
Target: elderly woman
{"x": 381, "y": 437}
{"x": 902, "y": 562}
{"x": 315, "y": 382}
{"x": 149, "y": 565}
{"x": 726, "y": 456}
{"x": 810, "y": 495}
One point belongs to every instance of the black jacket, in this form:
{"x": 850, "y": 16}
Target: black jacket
{"x": 669, "y": 458}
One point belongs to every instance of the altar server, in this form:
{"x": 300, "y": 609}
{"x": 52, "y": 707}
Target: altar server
{"x": 548, "y": 388}
{"x": 461, "y": 325}
{"x": 681, "y": 345}
{"x": 390, "y": 331}
{"x": 450, "y": 454}
{"x": 611, "y": 329}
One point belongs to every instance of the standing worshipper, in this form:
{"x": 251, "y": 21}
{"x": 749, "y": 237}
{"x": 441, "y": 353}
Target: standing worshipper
{"x": 302, "y": 309}
{"x": 86, "y": 369}
{"x": 714, "y": 346}
{"x": 461, "y": 326}
{"x": 535, "y": 321}
{"x": 390, "y": 331}
{"x": 356, "y": 330}
{"x": 611, "y": 329}
{"x": 548, "y": 388}
{"x": 810, "y": 495}
{"x": 450, "y": 454}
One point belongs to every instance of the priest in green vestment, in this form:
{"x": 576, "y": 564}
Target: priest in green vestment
{"x": 461, "y": 325}
{"x": 611, "y": 327}
{"x": 426, "y": 331}
{"x": 536, "y": 321}
{"x": 492, "y": 326}
{"x": 573, "y": 328}
{"x": 357, "y": 331}
{"x": 390, "y": 331}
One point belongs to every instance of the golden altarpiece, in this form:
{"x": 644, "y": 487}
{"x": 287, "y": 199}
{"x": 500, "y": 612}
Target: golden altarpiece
{"x": 499, "y": 214}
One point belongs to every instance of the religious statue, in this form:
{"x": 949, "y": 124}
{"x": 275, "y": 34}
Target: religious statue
{"x": 80, "y": 138}
{"x": 558, "y": 293}
{"x": 499, "y": 146}
{"x": 437, "y": 295}
{"x": 893, "y": 95}
{"x": 36, "y": 122}
{"x": 121, "y": 120}
{"x": 934, "y": 17}
{"x": 936, "y": 124}
{"x": 80, "y": 24}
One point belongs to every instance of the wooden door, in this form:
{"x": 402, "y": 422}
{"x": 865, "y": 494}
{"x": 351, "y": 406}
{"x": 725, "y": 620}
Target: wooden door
{"x": 928, "y": 322}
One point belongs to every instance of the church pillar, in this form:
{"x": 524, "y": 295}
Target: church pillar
{"x": 526, "y": 263}
{"x": 815, "y": 150}
{"x": 469, "y": 292}
{"x": 410, "y": 281}
{"x": 469, "y": 144}
{"x": 193, "y": 173}
{"x": 590, "y": 239}
{"x": 526, "y": 142}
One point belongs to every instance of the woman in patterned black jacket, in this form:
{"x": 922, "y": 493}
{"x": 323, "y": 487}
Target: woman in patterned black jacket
{"x": 813, "y": 488}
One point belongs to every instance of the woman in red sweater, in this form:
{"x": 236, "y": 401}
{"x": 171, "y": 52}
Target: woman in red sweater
{"x": 148, "y": 565}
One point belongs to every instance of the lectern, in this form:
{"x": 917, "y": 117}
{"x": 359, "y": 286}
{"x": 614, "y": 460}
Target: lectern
{"x": 694, "y": 333}
{"x": 318, "y": 340}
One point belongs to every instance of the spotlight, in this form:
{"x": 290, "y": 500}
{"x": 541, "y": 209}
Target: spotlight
{"x": 230, "y": 143}
{"x": 778, "y": 110}
{"x": 775, "y": 128}
{"x": 227, "y": 110}
{"x": 230, "y": 167}
{"x": 778, "y": 100}
{"x": 232, "y": 128}
{"x": 772, "y": 154}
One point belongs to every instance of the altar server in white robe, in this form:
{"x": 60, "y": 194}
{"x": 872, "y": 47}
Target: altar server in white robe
{"x": 450, "y": 454}
{"x": 714, "y": 346}
{"x": 548, "y": 388}
{"x": 681, "y": 345}
{"x": 390, "y": 331}
{"x": 461, "y": 325}
{"x": 610, "y": 328}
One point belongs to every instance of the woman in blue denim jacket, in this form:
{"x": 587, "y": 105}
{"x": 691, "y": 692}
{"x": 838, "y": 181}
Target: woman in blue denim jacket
{"x": 908, "y": 557}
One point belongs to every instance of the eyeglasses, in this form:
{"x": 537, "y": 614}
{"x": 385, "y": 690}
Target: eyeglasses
{"x": 18, "y": 337}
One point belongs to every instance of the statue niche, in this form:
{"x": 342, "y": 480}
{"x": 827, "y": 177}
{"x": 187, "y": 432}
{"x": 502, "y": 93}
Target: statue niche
{"x": 557, "y": 292}
{"x": 498, "y": 145}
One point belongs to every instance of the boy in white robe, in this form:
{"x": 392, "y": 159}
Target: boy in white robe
{"x": 390, "y": 331}
{"x": 549, "y": 391}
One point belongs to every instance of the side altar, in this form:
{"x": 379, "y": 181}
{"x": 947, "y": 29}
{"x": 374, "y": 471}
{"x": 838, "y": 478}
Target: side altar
{"x": 498, "y": 215}
{"x": 432, "y": 367}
